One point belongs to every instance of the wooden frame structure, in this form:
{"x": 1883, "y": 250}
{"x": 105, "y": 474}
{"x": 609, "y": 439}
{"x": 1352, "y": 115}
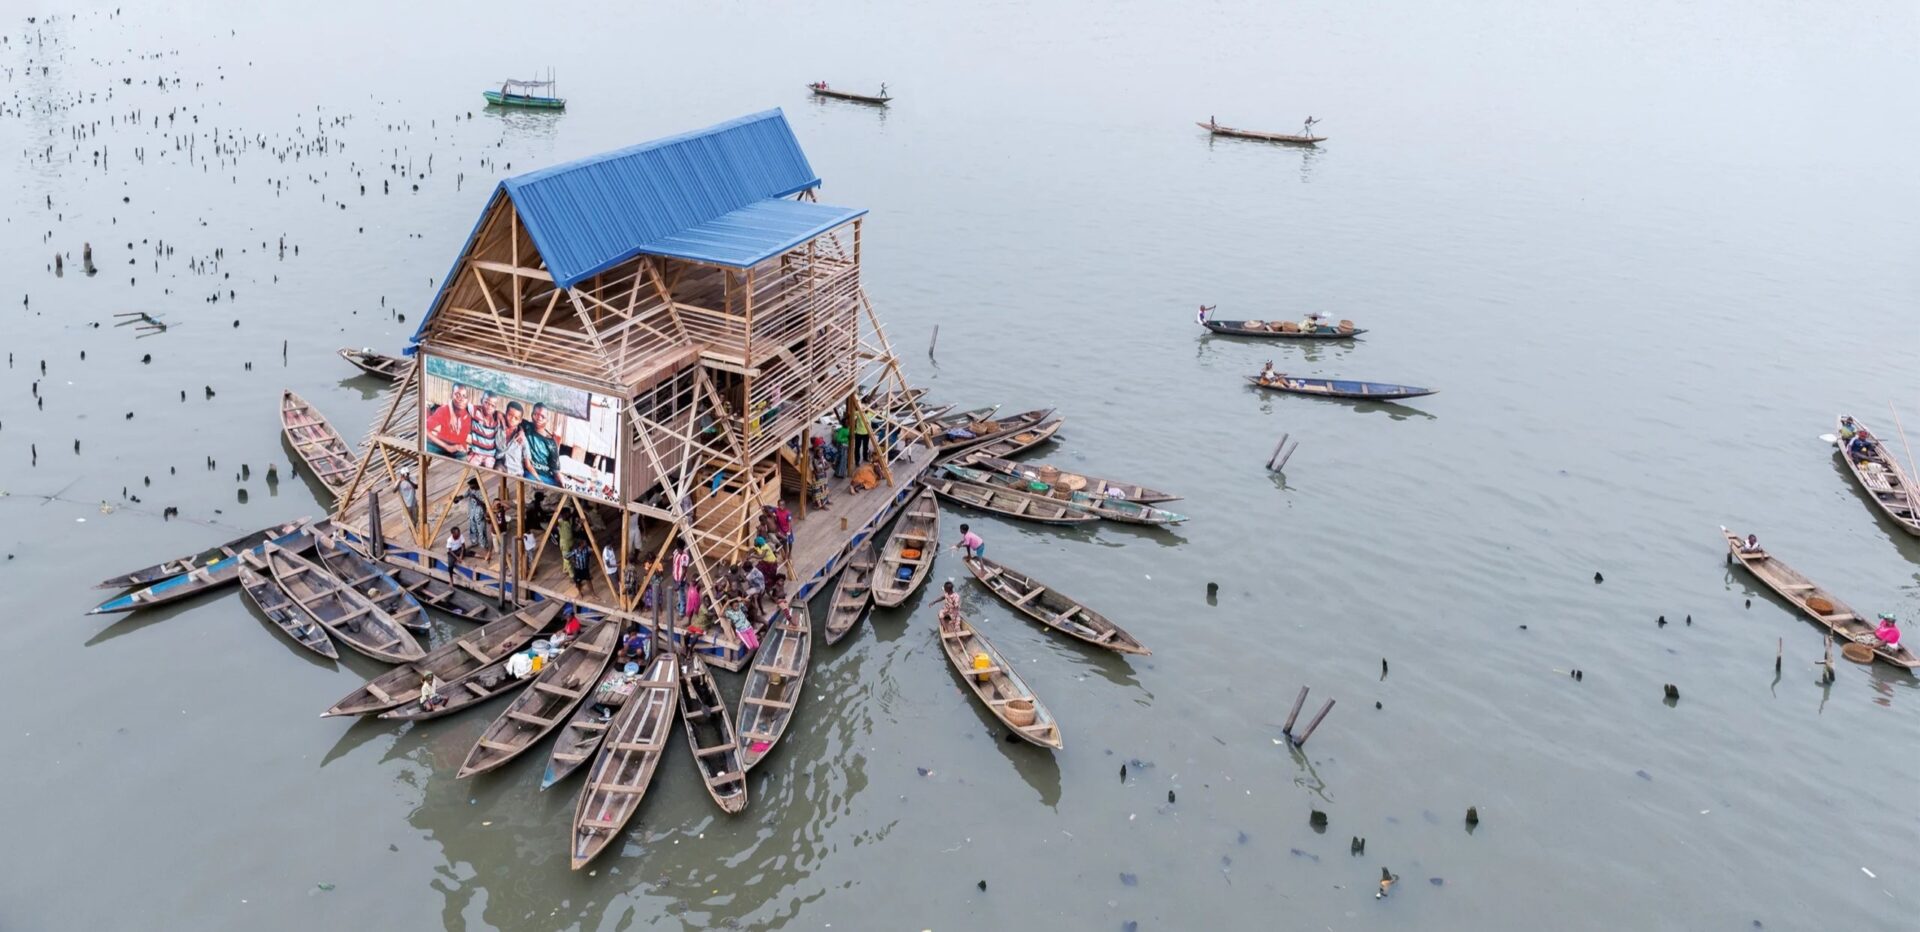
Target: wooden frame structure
{"x": 724, "y": 373}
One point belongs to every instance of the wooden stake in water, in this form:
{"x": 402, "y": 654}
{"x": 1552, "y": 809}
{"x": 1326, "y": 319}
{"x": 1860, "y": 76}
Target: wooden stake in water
{"x": 1298, "y": 701}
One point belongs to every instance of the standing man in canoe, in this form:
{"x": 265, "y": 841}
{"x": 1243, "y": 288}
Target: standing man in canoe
{"x": 1306, "y": 129}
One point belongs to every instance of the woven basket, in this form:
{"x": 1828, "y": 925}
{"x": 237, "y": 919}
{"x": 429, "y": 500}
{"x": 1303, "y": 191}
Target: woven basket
{"x": 1020, "y": 712}
{"x": 1820, "y": 604}
{"x": 1857, "y": 652}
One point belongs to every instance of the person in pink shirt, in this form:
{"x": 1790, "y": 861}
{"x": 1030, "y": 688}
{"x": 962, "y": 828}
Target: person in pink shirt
{"x": 1888, "y": 632}
{"x": 971, "y": 542}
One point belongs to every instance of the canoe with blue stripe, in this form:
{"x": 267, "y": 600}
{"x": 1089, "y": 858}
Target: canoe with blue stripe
{"x": 200, "y": 579}
{"x": 175, "y": 567}
{"x": 1340, "y": 388}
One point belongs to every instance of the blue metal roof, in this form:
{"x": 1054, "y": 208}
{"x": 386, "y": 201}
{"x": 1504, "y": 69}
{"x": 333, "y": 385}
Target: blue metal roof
{"x": 716, "y": 195}
{"x": 751, "y": 234}
{"x": 591, "y": 215}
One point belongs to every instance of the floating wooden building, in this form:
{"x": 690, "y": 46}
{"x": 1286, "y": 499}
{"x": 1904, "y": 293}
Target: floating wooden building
{"x": 647, "y": 341}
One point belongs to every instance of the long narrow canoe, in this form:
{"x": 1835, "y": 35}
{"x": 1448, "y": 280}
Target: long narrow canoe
{"x": 710, "y": 735}
{"x": 1078, "y": 482}
{"x": 773, "y": 684}
{"x": 918, "y": 531}
{"x": 491, "y": 682}
{"x": 852, "y": 593}
{"x": 1024, "y": 506}
{"x": 199, "y": 579}
{"x": 1013, "y": 444}
{"x": 944, "y": 423}
{"x": 373, "y": 581}
{"x": 451, "y": 662}
{"x": 1291, "y": 138}
{"x": 1052, "y": 608}
{"x": 375, "y": 364}
{"x": 585, "y": 730}
{"x": 981, "y": 432}
{"x": 995, "y": 684}
{"x": 627, "y": 760}
{"x": 1800, "y": 592}
{"x": 344, "y": 612}
{"x": 1112, "y": 509}
{"x": 878, "y": 100}
{"x": 1340, "y": 388}
{"x": 327, "y": 456}
{"x": 215, "y": 554}
{"x": 273, "y": 602}
{"x": 556, "y": 691}
{"x": 440, "y": 594}
{"x": 1880, "y": 475}
{"x": 1271, "y": 329}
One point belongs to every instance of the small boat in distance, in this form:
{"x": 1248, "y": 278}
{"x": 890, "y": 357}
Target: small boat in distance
{"x": 1878, "y": 473}
{"x": 1213, "y": 126}
{"x": 1822, "y": 606}
{"x": 378, "y": 365}
{"x": 820, "y": 89}
{"x": 516, "y": 93}
{"x": 1337, "y": 388}
{"x": 190, "y": 562}
{"x": 1279, "y": 329}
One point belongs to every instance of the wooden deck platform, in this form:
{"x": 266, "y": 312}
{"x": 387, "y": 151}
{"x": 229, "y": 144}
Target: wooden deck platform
{"x": 823, "y": 540}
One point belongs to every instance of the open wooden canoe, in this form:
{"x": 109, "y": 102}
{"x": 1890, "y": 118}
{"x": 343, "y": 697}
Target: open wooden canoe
{"x": 624, "y": 767}
{"x": 951, "y": 441}
{"x": 273, "y": 602}
{"x": 710, "y": 735}
{"x": 373, "y": 581}
{"x": 1024, "y": 506}
{"x": 772, "y": 689}
{"x": 1844, "y": 622}
{"x": 549, "y": 700}
{"x": 199, "y": 579}
{"x": 489, "y": 682}
{"x": 1014, "y": 443}
{"x": 852, "y": 593}
{"x": 451, "y": 662}
{"x": 918, "y": 530}
{"x": 1078, "y": 482}
{"x": 1881, "y": 477}
{"x": 1112, "y": 509}
{"x": 1272, "y": 330}
{"x": 1290, "y": 138}
{"x": 375, "y": 364}
{"x": 327, "y": 456}
{"x": 443, "y": 595}
{"x": 581, "y": 737}
{"x": 344, "y": 612}
{"x": 878, "y": 100}
{"x": 944, "y": 423}
{"x": 1340, "y": 388}
{"x": 1049, "y": 607}
{"x": 215, "y": 554}
{"x": 995, "y": 684}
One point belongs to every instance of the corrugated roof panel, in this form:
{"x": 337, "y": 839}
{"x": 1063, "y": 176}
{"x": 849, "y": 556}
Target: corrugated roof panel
{"x": 590, "y": 215}
{"x": 752, "y": 234}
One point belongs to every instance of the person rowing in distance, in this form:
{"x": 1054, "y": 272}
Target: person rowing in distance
{"x": 1270, "y": 376}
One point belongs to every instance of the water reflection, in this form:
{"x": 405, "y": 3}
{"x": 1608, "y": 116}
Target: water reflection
{"x": 370, "y": 387}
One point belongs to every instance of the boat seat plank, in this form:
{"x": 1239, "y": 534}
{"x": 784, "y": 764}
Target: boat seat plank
{"x": 534, "y": 720}
{"x": 493, "y": 745}
{"x": 770, "y": 703}
{"x": 716, "y": 749}
{"x": 560, "y": 691}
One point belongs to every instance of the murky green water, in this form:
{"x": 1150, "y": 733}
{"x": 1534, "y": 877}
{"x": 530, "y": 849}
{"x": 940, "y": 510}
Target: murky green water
{"x": 1646, "y": 254}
